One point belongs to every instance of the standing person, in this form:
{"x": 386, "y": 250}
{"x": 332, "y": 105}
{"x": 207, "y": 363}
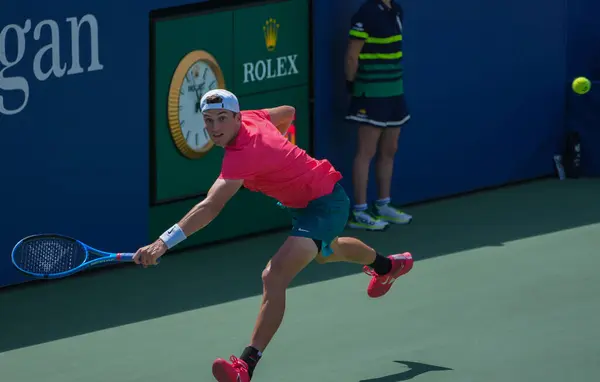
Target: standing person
{"x": 258, "y": 156}
{"x": 374, "y": 80}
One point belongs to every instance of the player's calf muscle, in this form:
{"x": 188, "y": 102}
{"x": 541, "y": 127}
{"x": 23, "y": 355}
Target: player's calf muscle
{"x": 295, "y": 254}
{"x": 349, "y": 249}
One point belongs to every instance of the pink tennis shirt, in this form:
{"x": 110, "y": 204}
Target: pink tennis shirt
{"x": 269, "y": 163}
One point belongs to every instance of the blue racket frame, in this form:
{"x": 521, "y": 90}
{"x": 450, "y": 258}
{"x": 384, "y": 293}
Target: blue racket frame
{"x": 103, "y": 259}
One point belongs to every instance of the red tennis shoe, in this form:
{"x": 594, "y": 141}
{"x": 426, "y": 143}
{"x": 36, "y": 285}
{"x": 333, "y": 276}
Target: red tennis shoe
{"x": 381, "y": 284}
{"x": 236, "y": 371}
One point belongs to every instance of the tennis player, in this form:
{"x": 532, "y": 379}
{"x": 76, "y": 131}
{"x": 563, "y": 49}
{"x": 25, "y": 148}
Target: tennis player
{"x": 258, "y": 156}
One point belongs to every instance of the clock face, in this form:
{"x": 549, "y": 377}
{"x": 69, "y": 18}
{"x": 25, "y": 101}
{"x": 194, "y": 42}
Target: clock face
{"x": 199, "y": 79}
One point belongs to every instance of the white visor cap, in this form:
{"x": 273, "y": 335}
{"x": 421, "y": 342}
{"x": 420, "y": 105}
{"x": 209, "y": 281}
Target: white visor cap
{"x": 230, "y": 101}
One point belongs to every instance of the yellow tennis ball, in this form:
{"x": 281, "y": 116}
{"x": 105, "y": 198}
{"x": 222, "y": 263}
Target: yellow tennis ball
{"x": 581, "y": 85}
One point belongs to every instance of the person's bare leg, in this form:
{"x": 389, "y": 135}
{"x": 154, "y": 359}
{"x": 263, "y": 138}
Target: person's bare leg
{"x": 368, "y": 137}
{"x": 388, "y": 145}
{"x": 384, "y": 270}
{"x": 349, "y": 250}
{"x": 293, "y": 256}
{"x": 384, "y": 167}
{"x": 352, "y": 250}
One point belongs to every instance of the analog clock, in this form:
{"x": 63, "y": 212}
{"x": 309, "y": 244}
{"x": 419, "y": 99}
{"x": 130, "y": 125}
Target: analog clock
{"x": 197, "y": 73}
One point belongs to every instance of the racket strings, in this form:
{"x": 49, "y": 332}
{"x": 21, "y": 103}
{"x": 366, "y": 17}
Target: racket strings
{"x": 50, "y": 256}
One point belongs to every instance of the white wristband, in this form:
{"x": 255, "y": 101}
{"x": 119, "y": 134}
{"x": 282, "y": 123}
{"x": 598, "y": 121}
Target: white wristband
{"x": 173, "y": 236}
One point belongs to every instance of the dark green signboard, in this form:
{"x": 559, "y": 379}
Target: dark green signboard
{"x": 175, "y": 175}
{"x": 271, "y": 47}
{"x": 259, "y": 52}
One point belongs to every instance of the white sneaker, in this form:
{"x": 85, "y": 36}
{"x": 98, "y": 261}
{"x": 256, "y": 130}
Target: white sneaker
{"x": 366, "y": 220}
{"x": 391, "y": 214}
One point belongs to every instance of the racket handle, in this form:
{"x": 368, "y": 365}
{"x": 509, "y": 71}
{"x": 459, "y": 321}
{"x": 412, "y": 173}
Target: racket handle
{"x": 128, "y": 257}
{"x": 125, "y": 256}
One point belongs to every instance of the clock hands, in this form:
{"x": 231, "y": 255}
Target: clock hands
{"x": 198, "y": 86}
{"x": 197, "y": 89}
{"x": 199, "y": 95}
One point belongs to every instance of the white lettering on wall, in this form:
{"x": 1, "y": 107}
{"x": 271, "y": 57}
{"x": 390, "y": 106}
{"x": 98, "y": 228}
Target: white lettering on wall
{"x": 47, "y": 32}
{"x": 267, "y": 69}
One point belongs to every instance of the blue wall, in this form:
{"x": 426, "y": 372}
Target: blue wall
{"x": 75, "y": 160}
{"x": 583, "y": 57}
{"x": 486, "y": 85}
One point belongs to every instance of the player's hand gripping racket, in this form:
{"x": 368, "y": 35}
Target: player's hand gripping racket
{"x": 51, "y": 256}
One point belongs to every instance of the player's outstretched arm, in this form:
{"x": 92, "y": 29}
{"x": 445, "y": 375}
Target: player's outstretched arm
{"x": 204, "y": 212}
{"x": 282, "y": 117}
{"x": 197, "y": 218}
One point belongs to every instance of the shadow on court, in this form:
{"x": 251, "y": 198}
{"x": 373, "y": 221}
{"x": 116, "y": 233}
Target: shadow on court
{"x": 414, "y": 370}
{"x": 42, "y": 312}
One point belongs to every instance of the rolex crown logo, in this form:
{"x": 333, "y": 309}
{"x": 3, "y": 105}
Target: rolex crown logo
{"x": 271, "y": 28}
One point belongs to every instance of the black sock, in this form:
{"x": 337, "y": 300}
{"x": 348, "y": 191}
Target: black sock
{"x": 251, "y": 356}
{"x": 382, "y": 265}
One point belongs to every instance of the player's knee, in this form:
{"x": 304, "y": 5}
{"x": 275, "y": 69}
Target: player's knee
{"x": 334, "y": 249}
{"x": 273, "y": 280}
{"x": 320, "y": 259}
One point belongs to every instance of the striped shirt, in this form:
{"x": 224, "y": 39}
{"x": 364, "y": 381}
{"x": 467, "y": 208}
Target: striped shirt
{"x": 380, "y": 61}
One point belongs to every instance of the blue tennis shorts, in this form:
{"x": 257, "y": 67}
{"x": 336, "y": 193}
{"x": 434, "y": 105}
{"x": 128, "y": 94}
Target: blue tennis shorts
{"x": 323, "y": 220}
{"x": 384, "y": 112}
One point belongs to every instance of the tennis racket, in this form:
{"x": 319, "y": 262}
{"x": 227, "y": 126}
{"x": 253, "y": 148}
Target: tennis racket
{"x": 51, "y": 256}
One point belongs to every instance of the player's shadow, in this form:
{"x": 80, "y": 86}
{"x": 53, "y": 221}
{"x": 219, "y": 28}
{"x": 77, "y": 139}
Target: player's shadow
{"x": 414, "y": 369}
